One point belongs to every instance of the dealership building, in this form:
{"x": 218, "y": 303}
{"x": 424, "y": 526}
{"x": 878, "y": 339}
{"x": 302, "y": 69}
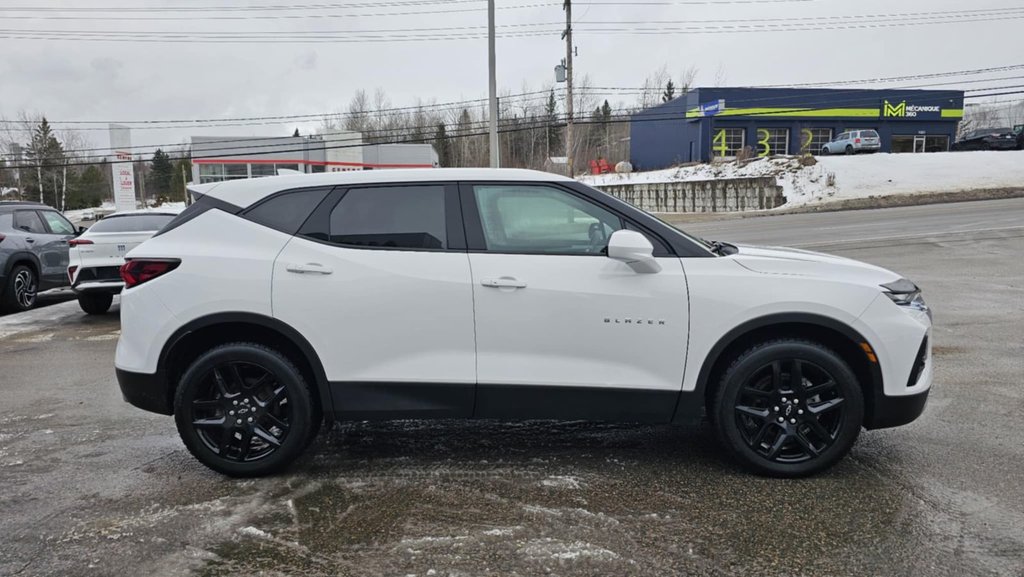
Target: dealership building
{"x": 708, "y": 123}
{"x": 219, "y": 158}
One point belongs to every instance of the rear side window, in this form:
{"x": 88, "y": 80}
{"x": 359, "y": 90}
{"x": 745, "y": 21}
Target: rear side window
{"x": 28, "y": 221}
{"x": 286, "y": 212}
{"x": 6, "y": 221}
{"x": 132, "y": 223}
{"x": 410, "y": 217}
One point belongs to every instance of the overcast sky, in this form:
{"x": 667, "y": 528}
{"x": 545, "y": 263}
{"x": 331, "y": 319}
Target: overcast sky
{"x": 78, "y": 80}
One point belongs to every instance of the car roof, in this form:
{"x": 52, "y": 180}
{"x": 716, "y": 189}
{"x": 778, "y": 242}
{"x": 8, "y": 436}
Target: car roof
{"x": 244, "y": 192}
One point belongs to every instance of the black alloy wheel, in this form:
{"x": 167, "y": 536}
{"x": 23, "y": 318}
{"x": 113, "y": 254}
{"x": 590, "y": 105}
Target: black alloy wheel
{"x": 789, "y": 408}
{"x": 244, "y": 410}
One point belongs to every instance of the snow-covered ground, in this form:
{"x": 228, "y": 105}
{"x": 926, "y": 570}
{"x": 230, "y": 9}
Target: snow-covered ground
{"x": 861, "y": 176}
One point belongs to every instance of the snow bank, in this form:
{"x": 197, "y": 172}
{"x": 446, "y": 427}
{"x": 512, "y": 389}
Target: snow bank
{"x": 860, "y": 176}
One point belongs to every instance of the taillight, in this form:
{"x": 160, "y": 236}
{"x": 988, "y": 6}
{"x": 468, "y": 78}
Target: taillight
{"x": 71, "y": 273}
{"x": 79, "y": 241}
{"x": 138, "y": 271}
{"x": 857, "y": 141}
{"x": 2, "y": 237}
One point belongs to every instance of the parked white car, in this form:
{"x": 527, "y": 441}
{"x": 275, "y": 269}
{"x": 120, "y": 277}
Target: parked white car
{"x": 95, "y": 257}
{"x": 274, "y": 303}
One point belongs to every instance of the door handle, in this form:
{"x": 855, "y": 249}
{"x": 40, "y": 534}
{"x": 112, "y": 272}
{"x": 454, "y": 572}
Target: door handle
{"x": 309, "y": 267}
{"x": 30, "y": 240}
{"x": 503, "y": 282}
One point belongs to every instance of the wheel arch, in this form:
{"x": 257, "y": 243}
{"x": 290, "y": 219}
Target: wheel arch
{"x": 23, "y": 257}
{"x": 836, "y": 335}
{"x": 199, "y": 335}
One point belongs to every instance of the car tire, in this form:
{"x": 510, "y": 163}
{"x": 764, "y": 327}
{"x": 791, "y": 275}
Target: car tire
{"x": 20, "y": 294}
{"x": 849, "y": 149}
{"x": 824, "y": 151}
{"x": 821, "y": 415}
{"x": 95, "y": 304}
{"x": 244, "y": 410}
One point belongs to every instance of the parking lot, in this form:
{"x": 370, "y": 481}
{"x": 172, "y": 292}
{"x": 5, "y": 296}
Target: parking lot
{"x": 91, "y": 486}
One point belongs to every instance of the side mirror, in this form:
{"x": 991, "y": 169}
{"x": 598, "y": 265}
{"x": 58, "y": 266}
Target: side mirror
{"x": 634, "y": 249}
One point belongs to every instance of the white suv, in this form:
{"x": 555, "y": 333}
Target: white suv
{"x": 274, "y": 303}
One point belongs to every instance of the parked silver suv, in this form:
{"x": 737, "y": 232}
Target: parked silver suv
{"x": 33, "y": 252}
{"x": 853, "y": 141}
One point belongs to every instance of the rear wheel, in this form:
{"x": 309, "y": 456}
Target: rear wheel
{"x": 20, "y": 292}
{"x": 244, "y": 410}
{"x": 95, "y": 304}
{"x": 788, "y": 408}
{"x": 849, "y": 149}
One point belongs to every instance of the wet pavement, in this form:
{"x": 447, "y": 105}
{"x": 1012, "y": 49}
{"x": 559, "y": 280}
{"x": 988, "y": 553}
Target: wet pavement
{"x": 92, "y": 486}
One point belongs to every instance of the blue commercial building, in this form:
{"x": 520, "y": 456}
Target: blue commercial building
{"x": 706, "y": 123}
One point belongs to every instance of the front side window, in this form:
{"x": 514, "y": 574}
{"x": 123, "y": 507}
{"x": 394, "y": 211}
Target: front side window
{"x": 58, "y": 224}
{"x": 28, "y": 221}
{"x": 542, "y": 220}
{"x": 409, "y": 217}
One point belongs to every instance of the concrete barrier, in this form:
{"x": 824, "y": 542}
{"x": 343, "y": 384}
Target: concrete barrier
{"x": 722, "y": 195}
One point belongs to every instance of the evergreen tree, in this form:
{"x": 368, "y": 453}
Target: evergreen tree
{"x": 88, "y": 189}
{"x": 553, "y": 130}
{"x": 182, "y": 176}
{"x": 162, "y": 172}
{"x": 670, "y": 91}
{"x": 443, "y": 146}
{"x": 46, "y": 152}
{"x": 296, "y": 133}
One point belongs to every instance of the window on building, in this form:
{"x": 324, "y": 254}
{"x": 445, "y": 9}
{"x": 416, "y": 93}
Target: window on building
{"x": 217, "y": 172}
{"x": 287, "y": 166}
{"x": 812, "y": 139}
{"x": 261, "y": 169}
{"x": 772, "y": 141}
{"x": 728, "y": 142}
{"x": 540, "y": 219}
{"x": 392, "y": 217}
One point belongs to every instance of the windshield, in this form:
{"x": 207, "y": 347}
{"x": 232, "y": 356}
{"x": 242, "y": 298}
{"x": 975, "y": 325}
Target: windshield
{"x": 132, "y": 223}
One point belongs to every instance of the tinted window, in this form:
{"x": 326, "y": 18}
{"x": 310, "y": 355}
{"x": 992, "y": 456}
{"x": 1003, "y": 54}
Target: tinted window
{"x": 57, "y": 223}
{"x": 394, "y": 217}
{"x": 540, "y": 219}
{"x": 868, "y": 134}
{"x": 286, "y": 212}
{"x": 132, "y": 223}
{"x": 28, "y": 221}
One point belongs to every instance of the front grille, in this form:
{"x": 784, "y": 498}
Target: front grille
{"x": 922, "y": 358}
{"x": 100, "y": 273}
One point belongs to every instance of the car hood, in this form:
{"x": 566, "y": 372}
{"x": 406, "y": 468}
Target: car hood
{"x": 791, "y": 261}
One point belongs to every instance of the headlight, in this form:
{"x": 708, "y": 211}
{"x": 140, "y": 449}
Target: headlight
{"x": 906, "y": 294}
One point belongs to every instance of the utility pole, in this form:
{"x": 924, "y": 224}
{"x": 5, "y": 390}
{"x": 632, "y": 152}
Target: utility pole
{"x": 567, "y": 35}
{"x": 493, "y": 87}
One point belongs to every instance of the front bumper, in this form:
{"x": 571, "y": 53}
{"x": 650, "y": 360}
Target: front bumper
{"x": 148, "y": 392}
{"x": 896, "y": 411}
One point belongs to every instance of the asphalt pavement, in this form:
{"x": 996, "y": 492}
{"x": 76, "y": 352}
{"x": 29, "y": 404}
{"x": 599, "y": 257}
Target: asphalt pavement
{"x": 91, "y": 486}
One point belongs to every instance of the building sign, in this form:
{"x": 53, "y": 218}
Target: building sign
{"x": 910, "y": 111}
{"x": 122, "y": 168}
{"x": 712, "y": 108}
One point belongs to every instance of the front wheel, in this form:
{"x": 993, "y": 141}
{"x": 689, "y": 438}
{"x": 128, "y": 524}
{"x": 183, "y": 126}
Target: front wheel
{"x": 95, "y": 304}
{"x": 244, "y": 410}
{"x": 788, "y": 408}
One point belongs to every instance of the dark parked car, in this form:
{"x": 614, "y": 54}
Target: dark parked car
{"x": 990, "y": 139}
{"x": 33, "y": 252}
